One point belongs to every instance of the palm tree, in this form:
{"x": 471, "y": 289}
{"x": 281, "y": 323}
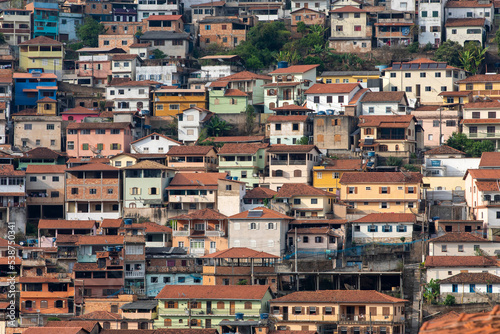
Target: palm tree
{"x": 217, "y": 127}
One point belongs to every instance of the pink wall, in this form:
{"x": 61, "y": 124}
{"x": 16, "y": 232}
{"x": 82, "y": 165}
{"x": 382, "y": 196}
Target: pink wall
{"x": 102, "y": 73}
{"x": 78, "y": 118}
{"x": 124, "y": 139}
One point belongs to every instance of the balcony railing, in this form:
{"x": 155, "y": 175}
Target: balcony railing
{"x": 198, "y": 251}
{"x": 134, "y": 291}
{"x": 180, "y": 233}
{"x": 134, "y": 274}
{"x": 214, "y": 233}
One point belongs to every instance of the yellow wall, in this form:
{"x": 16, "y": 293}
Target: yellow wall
{"x": 323, "y": 203}
{"x": 50, "y": 61}
{"x": 478, "y": 86}
{"x": 184, "y": 102}
{"x": 349, "y": 78}
{"x": 328, "y": 178}
{"x": 447, "y": 183}
{"x": 456, "y": 99}
{"x": 40, "y": 109}
{"x": 123, "y": 158}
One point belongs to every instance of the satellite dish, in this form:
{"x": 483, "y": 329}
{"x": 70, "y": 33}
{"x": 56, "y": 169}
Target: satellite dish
{"x": 22, "y": 243}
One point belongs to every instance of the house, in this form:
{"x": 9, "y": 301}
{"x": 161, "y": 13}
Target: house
{"x": 330, "y": 96}
{"x": 131, "y": 96}
{"x": 383, "y": 227}
{"x": 46, "y": 106}
{"x": 327, "y": 175}
{"x": 224, "y": 100}
{"x": 335, "y": 133}
{"x": 217, "y": 67}
{"x": 431, "y": 18}
{"x": 171, "y": 43}
{"x": 13, "y": 196}
{"x": 480, "y": 122}
{"x": 15, "y": 25}
{"x": 288, "y": 86}
{"x": 395, "y": 192}
{"x": 104, "y": 139}
{"x": 40, "y": 156}
{"x": 443, "y": 267}
{"x": 31, "y": 87}
{"x": 78, "y": 114}
{"x": 144, "y": 184}
{"x": 124, "y": 65}
{"x": 170, "y": 101}
{"x": 153, "y": 143}
{"x": 458, "y": 9}
{"x": 93, "y": 191}
{"x": 117, "y": 40}
{"x": 462, "y": 244}
{"x": 454, "y": 225}
{"x": 202, "y": 10}
{"x": 243, "y": 162}
{"x": 3, "y": 124}
{"x": 348, "y": 310}
{"x": 192, "y": 158}
{"x": 156, "y": 235}
{"x": 437, "y": 120}
{"x": 260, "y": 229}
{"x": 37, "y": 131}
{"x": 434, "y": 166}
{"x": 288, "y": 160}
{"x": 289, "y": 130}
{"x": 146, "y": 9}
{"x": 94, "y": 66}
{"x": 256, "y": 197}
{"x": 91, "y": 327}
{"x": 68, "y": 21}
{"x": 485, "y": 85}
{"x": 42, "y": 53}
{"x": 210, "y": 305}
{"x": 45, "y": 19}
{"x": 489, "y": 160}
{"x": 239, "y": 264}
{"x": 350, "y": 31}
{"x": 393, "y": 27}
{"x": 191, "y": 122}
{"x": 364, "y": 78}
{"x": 389, "y": 135}
{"x": 134, "y": 259}
{"x": 227, "y": 31}
{"x": 142, "y": 310}
{"x": 422, "y": 79}
{"x": 155, "y": 22}
{"x": 167, "y": 73}
{"x": 50, "y": 231}
{"x": 469, "y": 288}
{"x": 308, "y": 16}
{"x": 140, "y": 49}
{"x": 201, "y": 232}
{"x": 384, "y": 103}
{"x": 124, "y": 12}
{"x": 456, "y": 97}
{"x": 466, "y": 30}
{"x": 45, "y": 190}
{"x": 303, "y": 201}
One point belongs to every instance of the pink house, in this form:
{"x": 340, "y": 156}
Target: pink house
{"x": 78, "y": 114}
{"x": 94, "y": 69}
{"x": 87, "y": 140}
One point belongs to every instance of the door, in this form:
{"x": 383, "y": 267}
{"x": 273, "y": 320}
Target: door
{"x": 208, "y": 323}
{"x": 209, "y": 308}
{"x": 417, "y": 90}
{"x": 285, "y": 313}
{"x": 232, "y": 308}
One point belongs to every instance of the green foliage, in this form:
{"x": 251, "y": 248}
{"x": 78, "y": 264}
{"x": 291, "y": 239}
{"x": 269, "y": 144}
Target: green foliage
{"x": 301, "y": 27}
{"x": 242, "y": 282}
{"x": 472, "y": 56}
{"x": 394, "y": 161}
{"x": 89, "y": 32}
{"x": 158, "y": 54}
{"x": 449, "y": 301}
{"x": 76, "y": 46}
{"x": 53, "y": 319}
{"x": 19, "y": 236}
{"x": 427, "y": 47}
{"x": 431, "y": 291}
{"x": 217, "y": 127}
{"x": 303, "y": 141}
{"x": 497, "y": 40}
{"x": 413, "y": 48}
{"x": 411, "y": 168}
{"x": 2, "y": 38}
{"x": 449, "y": 52}
{"x": 250, "y": 119}
{"x": 472, "y": 148}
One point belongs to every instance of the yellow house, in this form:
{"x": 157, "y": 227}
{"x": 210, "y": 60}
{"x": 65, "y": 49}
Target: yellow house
{"x": 348, "y": 76}
{"x": 351, "y": 311}
{"x": 123, "y": 160}
{"x": 42, "y": 52}
{"x": 46, "y": 106}
{"x": 171, "y": 101}
{"x": 328, "y": 174}
{"x": 397, "y": 192}
{"x": 481, "y": 85}
{"x": 460, "y": 97}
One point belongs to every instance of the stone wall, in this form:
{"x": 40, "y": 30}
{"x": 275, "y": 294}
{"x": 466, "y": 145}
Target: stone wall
{"x": 157, "y": 215}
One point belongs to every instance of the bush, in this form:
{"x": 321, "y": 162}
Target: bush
{"x": 394, "y": 161}
{"x": 450, "y": 300}
{"x": 413, "y": 48}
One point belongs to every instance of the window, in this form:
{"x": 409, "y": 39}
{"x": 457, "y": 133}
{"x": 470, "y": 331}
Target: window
{"x": 408, "y": 89}
{"x": 401, "y": 228}
{"x": 384, "y": 190}
{"x": 488, "y": 85}
{"x": 492, "y": 114}
{"x": 424, "y": 13}
{"x": 372, "y": 228}
{"x": 422, "y": 75}
{"x": 388, "y": 110}
{"x": 339, "y": 28}
{"x": 297, "y": 310}
{"x": 305, "y": 239}
{"x": 384, "y": 205}
{"x": 460, "y": 248}
{"x": 451, "y": 123}
{"x": 472, "y": 288}
{"x": 55, "y": 178}
{"x": 357, "y": 28}
{"x": 444, "y": 249}
{"x": 32, "y": 178}
{"x": 50, "y": 126}
{"x": 454, "y": 288}
{"x": 371, "y": 110}
{"x": 428, "y": 88}
{"x": 27, "y": 126}
{"x": 314, "y": 201}
{"x": 296, "y": 201}
{"x": 248, "y": 305}
{"x": 336, "y": 175}
{"x": 435, "y": 123}
{"x": 407, "y": 75}
{"x": 393, "y": 75}
{"x": 318, "y": 240}
{"x": 386, "y": 228}
{"x": 437, "y": 74}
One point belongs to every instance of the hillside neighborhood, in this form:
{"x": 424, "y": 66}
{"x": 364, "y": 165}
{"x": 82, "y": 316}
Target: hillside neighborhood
{"x": 250, "y": 167}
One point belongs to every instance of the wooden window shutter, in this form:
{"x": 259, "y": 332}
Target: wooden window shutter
{"x": 139, "y": 190}
{"x": 131, "y": 191}
{"x": 324, "y": 310}
{"x": 406, "y": 190}
{"x": 198, "y": 322}
{"x": 366, "y": 131}
{"x": 388, "y": 190}
{"x": 373, "y": 311}
{"x": 176, "y": 304}
{"x": 274, "y": 173}
{"x": 333, "y": 310}
{"x": 386, "y": 311}
{"x": 355, "y": 190}
{"x": 303, "y": 310}
{"x": 338, "y": 121}
{"x": 347, "y": 190}
{"x": 379, "y": 190}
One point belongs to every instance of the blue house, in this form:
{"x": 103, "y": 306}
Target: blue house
{"x": 33, "y": 86}
{"x": 67, "y": 25}
{"x": 45, "y": 18}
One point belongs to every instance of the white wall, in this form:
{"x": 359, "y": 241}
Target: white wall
{"x": 132, "y": 95}
{"x": 214, "y": 72}
{"x": 455, "y": 167}
{"x": 465, "y": 288}
{"x": 164, "y": 74}
{"x": 364, "y": 234}
{"x": 158, "y": 144}
{"x": 435, "y": 249}
{"x": 380, "y": 108}
{"x": 479, "y": 12}
{"x": 442, "y": 273}
{"x": 403, "y": 6}
{"x": 428, "y": 36}
{"x": 190, "y": 121}
{"x": 260, "y": 239}
{"x": 461, "y": 35}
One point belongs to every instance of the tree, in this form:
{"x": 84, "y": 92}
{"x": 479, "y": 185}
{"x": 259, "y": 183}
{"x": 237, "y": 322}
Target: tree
{"x": 431, "y": 291}
{"x": 250, "y": 119}
{"x": 303, "y": 141}
{"x": 449, "y": 52}
{"x": 158, "y": 54}
{"x": 89, "y": 32}
{"x": 458, "y": 140}
{"x": 472, "y": 148}
{"x": 450, "y": 300}
{"x": 301, "y": 27}
{"x": 394, "y": 161}
{"x": 217, "y": 127}
{"x": 472, "y": 56}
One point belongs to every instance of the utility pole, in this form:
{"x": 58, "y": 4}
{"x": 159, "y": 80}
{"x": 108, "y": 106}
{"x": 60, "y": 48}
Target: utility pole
{"x": 440, "y": 124}
{"x": 189, "y": 312}
{"x": 296, "y": 260}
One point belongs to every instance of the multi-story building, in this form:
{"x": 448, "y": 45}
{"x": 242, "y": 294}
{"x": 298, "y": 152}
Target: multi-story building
{"x": 209, "y": 305}
{"x": 15, "y": 25}
{"x": 289, "y": 130}
{"x": 171, "y": 101}
{"x": 3, "y": 123}
{"x": 383, "y": 227}
{"x": 227, "y": 31}
{"x": 335, "y": 133}
{"x": 194, "y": 191}
{"x": 131, "y": 96}
{"x": 202, "y": 10}
{"x": 458, "y": 9}
{"x": 290, "y": 164}
{"x": 200, "y": 232}
{"x": 99, "y": 11}
{"x": 467, "y": 30}
{"x": 37, "y": 131}
{"x": 431, "y": 17}
{"x": 40, "y": 156}
{"x": 325, "y": 311}
{"x": 93, "y": 191}
{"x": 146, "y": 9}
{"x": 258, "y": 197}
{"x": 13, "y": 196}
{"x": 288, "y": 86}
{"x": 444, "y": 267}
{"x": 94, "y": 69}
{"x": 461, "y": 244}
{"x": 331, "y": 96}
{"x": 45, "y": 18}
{"x": 33, "y": 86}
{"x": 393, "y": 27}
{"x": 68, "y": 22}
{"x": 422, "y": 79}
{"x": 308, "y": 16}
{"x": 437, "y": 120}
{"x": 245, "y": 162}
{"x": 303, "y": 201}
{"x": 481, "y": 85}
{"x": 384, "y": 103}
{"x": 162, "y": 22}
{"x": 171, "y": 43}
{"x": 124, "y": 12}
{"x": 480, "y": 121}
{"x": 125, "y": 65}
{"x": 192, "y": 158}
{"x": 327, "y": 175}
{"x": 350, "y": 31}
{"x": 105, "y": 139}
{"x": 224, "y": 100}
{"x": 397, "y": 192}
{"x": 153, "y": 143}
{"x": 190, "y": 124}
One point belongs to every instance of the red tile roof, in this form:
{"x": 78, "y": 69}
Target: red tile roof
{"x": 49, "y": 330}
{"x": 359, "y": 94}
{"x": 209, "y": 4}
{"x": 93, "y": 167}
{"x": 104, "y": 125}
{"x": 87, "y": 325}
{"x": 483, "y": 174}
{"x": 41, "y": 40}
{"x": 341, "y": 164}
{"x": 481, "y": 121}
{"x": 204, "y": 214}
{"x": 384, "y": 97}
{"x": 151, "y": 227}
{"x": 46, "y": 99}
{"x": 483, "y": 322}
{"x": 348, "y": 9}
{"x": 319, "y": 221}
{"x": 490, "y": 159}
{"x": 219, "y": 292}
{"x": 240, "y": 253}
{"x": 147, "y": 164}
{"x": 8, "y": 170}
{"x": 100, "y": 315}
{"x": 100, "y": 240}
{"x": 164, "y": 17}
{"x": 291, "y": 118}
{"x": 295, "y": 69}
{"x": 292, "y": 107}
{"x": 266, "y": 214}
{"x": 459, "y": 237}
{"x": 80, "y": 111}
{"x": 386, "y": 121}
{"x": 45, "y": 169}
{"x": 65, "y": 224}
{"x": 242, "y": 148}
{"x": 336, "y": 88}
{"x": 112, "y": 223}
{"x": 465, "y": 22}
{"x": 234, "y": 92}
{"x": 237, "y": 139}
{"x": 495, "y": 104}
{"x": 387, "y": 218}
{"x": 244, "y": 76}
{"x": 125, "y": 57}
{"x": 41, "y": 153}
{"x": 339, "y": 296}
{"x": 478, "y": 278}
{"x": 481, "y": 78}
{"x": 196, "y": 179}
{"x": 383, "y": 177}
{"x": 452, "y": 93}
{"x": 260, "y": 192}
{"x": 289, "y": 190}
{"x": 467, "y": 4}
{"x": 157, "y": 134}
{"x": 460, "y": 261}
{"x": 189, "y": 150}
{"x": 279, "y": 148}
{"x": 219, "y": 84}
{"x": 443, "y": 149}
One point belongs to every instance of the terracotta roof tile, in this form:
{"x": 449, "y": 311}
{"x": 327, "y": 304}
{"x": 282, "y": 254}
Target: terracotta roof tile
{"x": 385, "y": 177}
{"x": 292, "y": 107}
{"x": 204, "y": 214}
{"x": 93, "y": 167}
{"x": 481, "y": 121}
{"x": 190, "y": 150}
{"x": 112, "y": 223}
{"x": 341, "y": 164}
{"x": 487, "y": 186}
{"x": 164, "y": 17}
{"x": 150, "y": 227}
{"x": 45, "y": 169}
{"x": 161, "y": 331}
{"x": 266, "y": 214}
{"x": 240, "y": 253}
{"x": 41, "y": 153}
{"x": 455, "y": 93}
{"x": 260, "y": 192}
{"x": 41, "y": 40}
{"x": 467, "y": 4}
{"x": 4, "y": 305}
{"x": 234, "y": 92}
{"x": 241, "y": 148}
{"x": 336, "y": 88}
{"x": 65, "y": 224}
{"x": 140, "y": 45}
{"x": 219, "y": 292}
{"x": 459, "y": 237}
{"x": 291, "y": 118}
{"x": 49, "y": 330}
{"x": 196, "y": 179}
{"x": 490, "y": 159}
{"x": 359, "y": 94}
{"x": 237, "y": 139}
{"x": 348, "y": 9}
{"x": 481, "y": 78}
{"x": 100, "y": 315}
{"x": 494, "y": 104}
{"x": 465, "y": 22}
{"x": 100, "y": 240}
{"x": 295, "y": 69}
{"x": 278, "y": 148}
{"x": 147, "y": 164}
{"x": 460, "y": 261}
{"x": 244, "y": 76}
{"x": 339, "y": 296}
{"x": 319, "y": 221}
{"x": 74, "y": 160}
{"x": 87, "y": 325}
{"x": 8, "y": 170}
{"x": 383, "y": 97}
{"x": 66, "y": 238}
{"x": 125, "y": 56}
{"x": 386, "y": 121}
{"x": 478, "y": 278}
{"x": 483, "y": 322}
{"x": 443, "y": 149}
{"x": 46, "y": 99}
{"x": 387, "y": 218}
{"x": 289, "y": 190}
{"x": 483, "y": 174}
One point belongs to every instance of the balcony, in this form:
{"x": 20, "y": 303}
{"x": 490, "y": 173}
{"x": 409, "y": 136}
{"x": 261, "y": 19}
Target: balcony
{"x": 361, "y": 319}
{"x": 134, "y": 274}
{"x": 197, "y": 251}
{"x": 180, "y": 233}
{"x": 279, "y": 162}
{"x": 134, "y": 291}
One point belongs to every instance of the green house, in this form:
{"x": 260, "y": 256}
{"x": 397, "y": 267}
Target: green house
{"x": 40, "y": 156}
{"x": 205, "y": 306}
{"x": 223, "y": 100}
{"x": 245, "y": 161}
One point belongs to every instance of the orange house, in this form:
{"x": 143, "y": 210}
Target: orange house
{"x": 46, "y": 294}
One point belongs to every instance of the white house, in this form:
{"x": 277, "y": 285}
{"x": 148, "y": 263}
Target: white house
{"x": 466, "y": 30}
{"x": 165, "y": 74}
{"x": 191, "y": 122}
{"x": 154, "y": 143}
{"x": 331, "y": 96}
{"x": 431, "y": 20}
{"x": 471, "y": 287}
{"x": 403, "y": 6}
{"x": 131, "y": 95}
{"x": 317, "y": 5}
{"x": 462, "y": 244}
{"x": 288, "y": 129}
{"x": 384, "y": 103}
{"x": 383, "y": 227}
{"x": 443, "y": 267}
{"x": 140, "y": 49}
{"x": 147, "y": 8}
{"x": 124, "y": 65}
{"x": 470, "y": 10}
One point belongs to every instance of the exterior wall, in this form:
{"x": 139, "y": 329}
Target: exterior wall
{"x": 365, "y": 236}
{"x": 262, "y": 239}
{"x": 190, "y": 125}
{"x": 253, "y": 168}
{"x": 479, "y": 88}
{"x": 403, "y": 147}
{"x": 307, "y": 209}
{"x": 150, "y": 145}
{"x": 50, "y": 296}
{"x": 429, "y": 36}
{"x": 209, "y": 163}
{"x": 122, "y": 160}
{"x": 381, "y": 108}
{"x": 334, "y": 132}
{"x": 321, "y": 6}
{"x": 467, "y": 248}
{"x": 289, "y": 169}
{"x": 443, "y": 188}
{"x": 352, "y": 45}
{"x": 477, "y": 12}
{"x": 172, "y": 104}
{"x": 48, "y": 184}
{"x": 217, "y": 35}
{"x": 462, "y": 34}
{"x": 137, "y": 98}
{"x": 229, "y": 202}
{"x": 124, "y": 68}
{"x": 452, "y": 167}
{"x": 38, "y": 135}
{"x": 446, "y": 272}
{"x": 327, "y": 179}
{"x": 166, "y": 74}
{"x": 50, "y": 61}
{"x": 167, "y": 47}
{"x": 429, "y": 119}
{"x": 338, "y": 101}
{"x": 16, "y": 26}
{"x": 221, "y": 104}
{"x": 123, "y": 140}
{"x": 144, "y": 185}
{"x": 67, "y": 25}
{"x": 343, "y": 26}
{"x": 153, "y": 288}
{"x": 287, "y": 135}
